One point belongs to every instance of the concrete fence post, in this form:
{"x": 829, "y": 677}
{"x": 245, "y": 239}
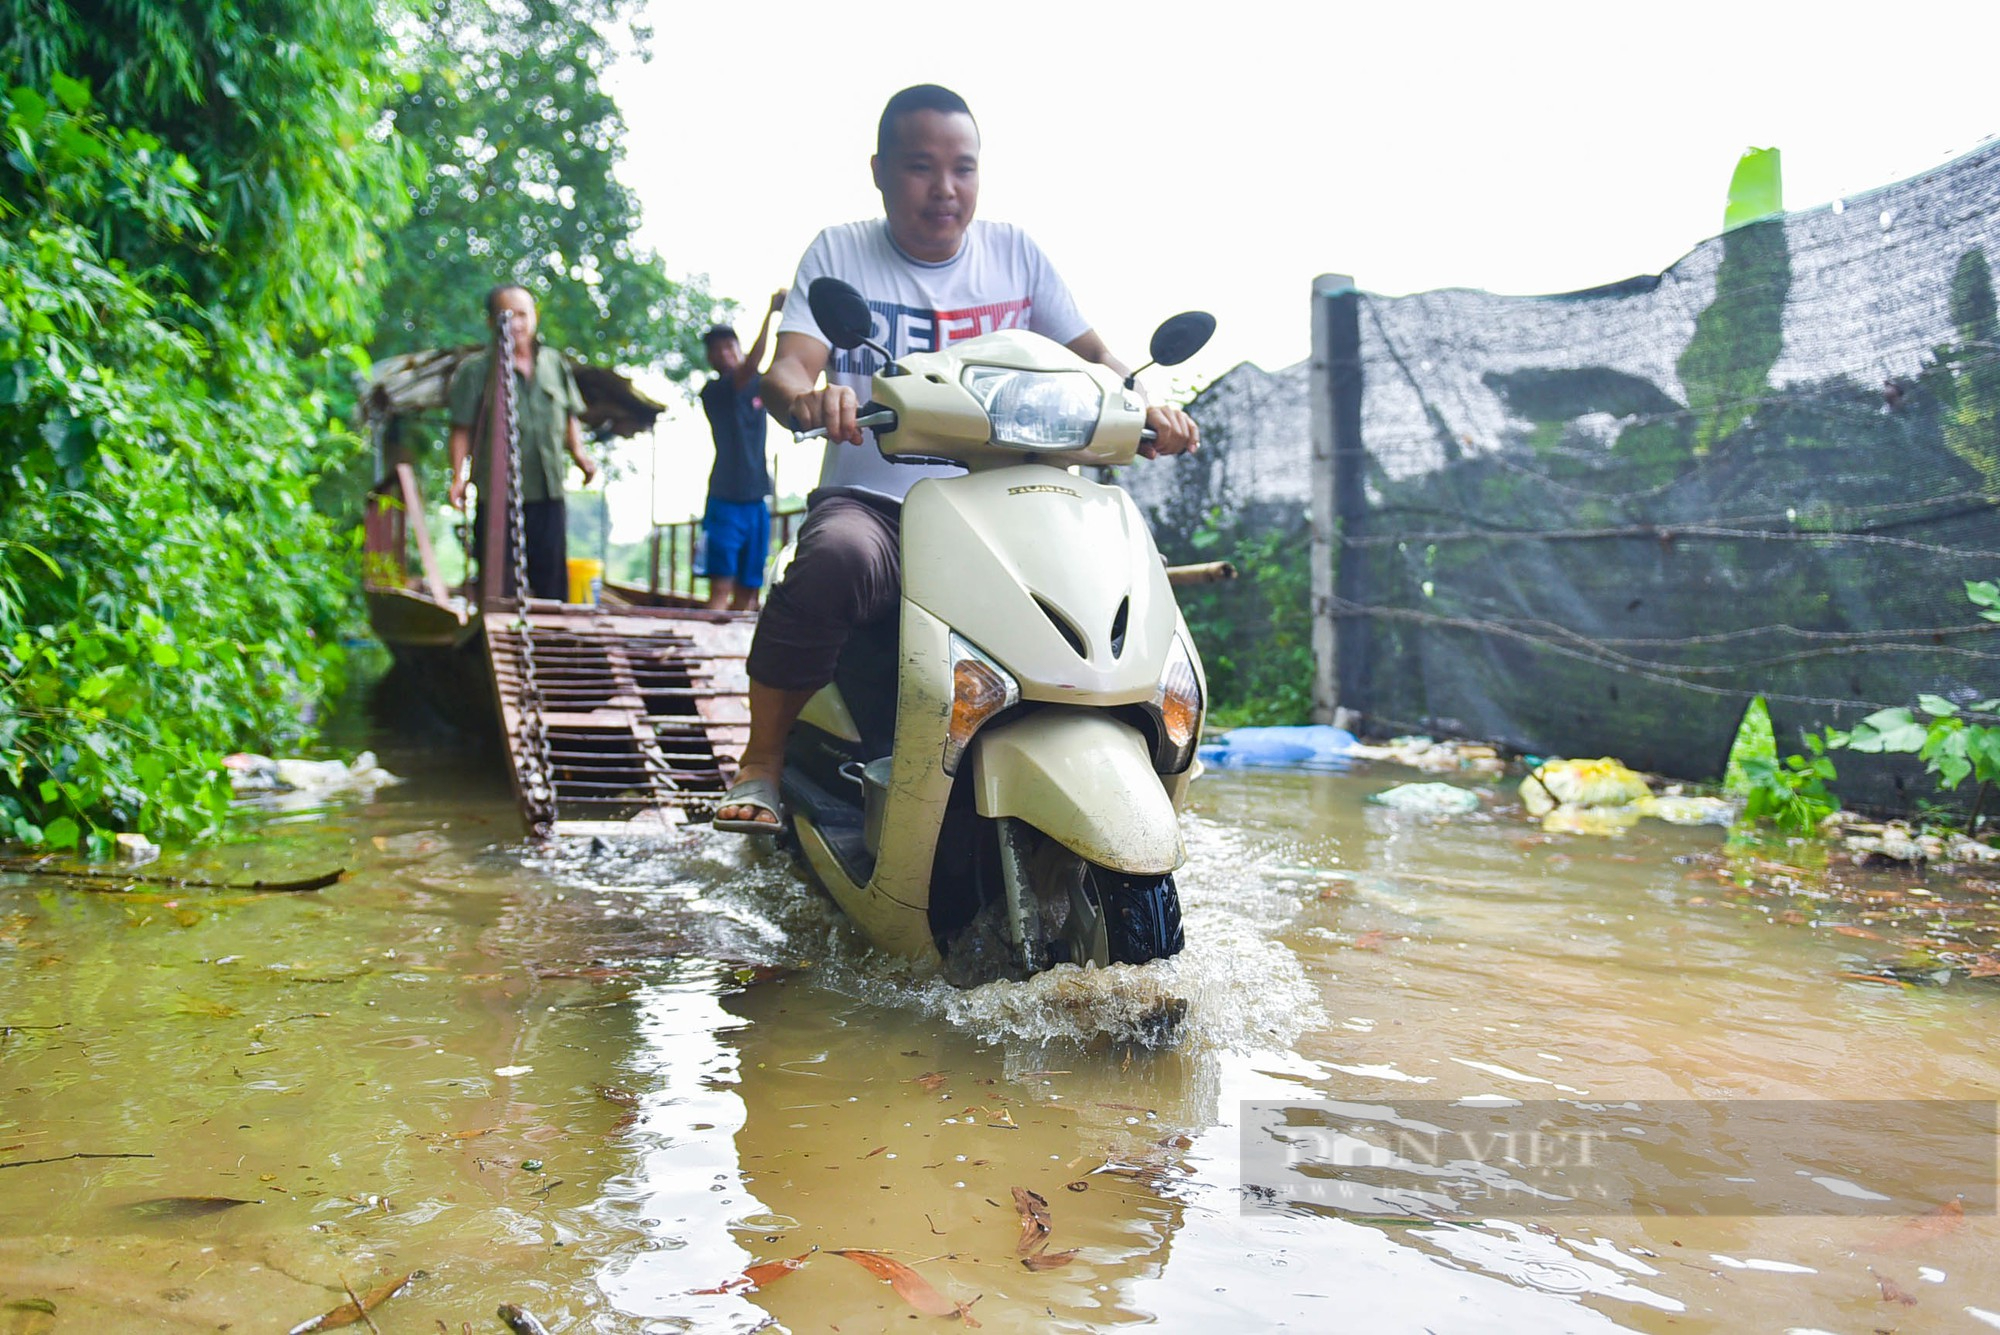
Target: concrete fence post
{"x": 1336, "y": 429}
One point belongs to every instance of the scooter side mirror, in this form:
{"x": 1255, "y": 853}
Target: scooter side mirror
{"x": 1180, "y": 338}
{"x": 841, "y": 313}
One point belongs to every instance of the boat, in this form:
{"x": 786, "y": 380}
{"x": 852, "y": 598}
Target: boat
{"x": 623, "y": 716}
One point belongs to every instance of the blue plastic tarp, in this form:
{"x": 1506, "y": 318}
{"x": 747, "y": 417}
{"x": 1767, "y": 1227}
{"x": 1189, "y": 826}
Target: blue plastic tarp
{"x": 1317, "y": 746}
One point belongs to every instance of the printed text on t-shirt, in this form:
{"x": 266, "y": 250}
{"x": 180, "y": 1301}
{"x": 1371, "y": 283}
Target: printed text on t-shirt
{"x": 907, "y": 329}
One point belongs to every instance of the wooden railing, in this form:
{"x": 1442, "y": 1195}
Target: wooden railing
{"x": 670, "y": 554}
{"x": 393, "y": 515}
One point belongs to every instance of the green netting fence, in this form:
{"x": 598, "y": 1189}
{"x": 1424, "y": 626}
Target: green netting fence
{"x": 1599, "y": 523}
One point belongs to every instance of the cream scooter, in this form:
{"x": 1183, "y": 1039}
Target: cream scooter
{"x": 994, "y": 776}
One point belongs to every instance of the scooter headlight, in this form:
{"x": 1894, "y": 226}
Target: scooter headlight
{"x": 1179, "y": 703}
{"x": 1044, "y": 410}
{"x": 980, "y": 688}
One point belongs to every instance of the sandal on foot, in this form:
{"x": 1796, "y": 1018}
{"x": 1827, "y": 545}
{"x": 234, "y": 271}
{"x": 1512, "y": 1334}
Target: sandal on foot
{"x": 759, "y": 793}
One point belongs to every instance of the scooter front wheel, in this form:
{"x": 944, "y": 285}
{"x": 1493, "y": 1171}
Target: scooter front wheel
{"x": 1142, "y": 915}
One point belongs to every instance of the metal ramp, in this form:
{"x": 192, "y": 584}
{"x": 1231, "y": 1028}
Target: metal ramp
{"x": 644, "y": 711}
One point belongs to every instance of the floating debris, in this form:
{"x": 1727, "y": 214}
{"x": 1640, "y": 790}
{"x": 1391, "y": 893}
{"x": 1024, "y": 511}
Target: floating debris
{"x": 1436, "y": 757}
{"x": 1428, "y": 799}
{"x": 1603, "y": 782}
{"x": 311, "y": 779}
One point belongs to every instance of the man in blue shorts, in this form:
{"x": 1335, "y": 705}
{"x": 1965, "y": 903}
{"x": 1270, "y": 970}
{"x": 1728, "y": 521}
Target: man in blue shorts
{"x": 736, "y": 526}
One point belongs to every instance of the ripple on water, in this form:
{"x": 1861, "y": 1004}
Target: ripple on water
{"x": 1235, "y": 986}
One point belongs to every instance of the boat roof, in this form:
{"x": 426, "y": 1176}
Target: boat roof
{"x": 418, "y": 382}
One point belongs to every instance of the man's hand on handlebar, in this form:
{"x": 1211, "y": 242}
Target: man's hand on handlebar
{"x": 833, "y": 407}
{"x": 1174, "y": 432}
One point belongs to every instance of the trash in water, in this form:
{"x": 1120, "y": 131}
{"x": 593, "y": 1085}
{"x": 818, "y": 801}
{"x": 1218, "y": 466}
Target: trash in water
{"x": 1317, "y": 746}
{"x": 293, "y": 782}
{"x": 1581, "y": 783}
{"x": 1435, "y": 757}
{"x": 1428, "y": 799}
{"x": 1678, "y": 809}
{"x": 135, "y": 850}
{"x": 1896, "y": 842}
{"x": 1603, "y": 797}
{"x": 1604, "y": 822}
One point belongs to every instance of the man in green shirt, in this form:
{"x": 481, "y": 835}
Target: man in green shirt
{"x": 546, "y": 406}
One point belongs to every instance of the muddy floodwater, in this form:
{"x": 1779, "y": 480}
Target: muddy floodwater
{"x": 608, "y": 1084}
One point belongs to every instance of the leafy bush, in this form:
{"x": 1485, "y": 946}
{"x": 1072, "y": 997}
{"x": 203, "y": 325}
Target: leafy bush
{"x": 1791, "y": 794}
{"x": 167, "y": 592}
{"x": 1953, "y": 744}
{"x": 1255, "y": 634}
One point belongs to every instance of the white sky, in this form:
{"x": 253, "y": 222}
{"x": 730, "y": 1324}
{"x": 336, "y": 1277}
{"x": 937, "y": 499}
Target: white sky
{"x": 1172, "y": 155}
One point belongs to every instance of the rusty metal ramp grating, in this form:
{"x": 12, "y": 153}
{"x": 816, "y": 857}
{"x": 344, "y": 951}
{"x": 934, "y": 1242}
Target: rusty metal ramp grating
{"x": 644, "y": 710}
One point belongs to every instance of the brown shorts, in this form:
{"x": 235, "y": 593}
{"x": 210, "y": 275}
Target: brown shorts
{"x": 847, "y": 572}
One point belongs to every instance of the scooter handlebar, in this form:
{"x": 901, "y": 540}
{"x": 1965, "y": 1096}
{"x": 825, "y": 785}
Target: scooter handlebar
{"x": 882, "y": 419}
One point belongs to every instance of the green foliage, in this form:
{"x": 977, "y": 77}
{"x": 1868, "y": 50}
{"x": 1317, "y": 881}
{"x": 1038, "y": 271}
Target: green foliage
{"x": 1952, "y": 742}
{"x": 1755, "y": 743}
{"x": 523, "y": 142}
{"x": 166, "y": 591}
{"x": 277, "y": 110}
{"x": 1254, "y": 634}
{"x": 1952, "y": 746}
{"x": 1985, "y": 595}
{"x": 1793, "y": 795}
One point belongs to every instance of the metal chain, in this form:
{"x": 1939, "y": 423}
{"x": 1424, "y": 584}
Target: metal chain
{"x": 536, "y": 783}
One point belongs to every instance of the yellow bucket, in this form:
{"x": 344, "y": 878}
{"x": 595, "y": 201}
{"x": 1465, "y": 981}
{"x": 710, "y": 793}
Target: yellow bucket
{"x": 585, "y": 575}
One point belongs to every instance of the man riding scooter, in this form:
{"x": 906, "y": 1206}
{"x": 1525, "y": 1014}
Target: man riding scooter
{"x": 933, "y": 276}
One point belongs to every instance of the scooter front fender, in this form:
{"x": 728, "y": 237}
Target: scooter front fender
{"x": 1085, "y": 780}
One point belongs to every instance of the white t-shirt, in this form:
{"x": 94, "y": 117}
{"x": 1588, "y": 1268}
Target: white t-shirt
{"x": 998, "y": 280}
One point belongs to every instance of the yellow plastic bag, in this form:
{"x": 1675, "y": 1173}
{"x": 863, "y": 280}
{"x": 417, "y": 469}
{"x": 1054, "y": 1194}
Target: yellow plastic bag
{"x": 1603, "y": 782}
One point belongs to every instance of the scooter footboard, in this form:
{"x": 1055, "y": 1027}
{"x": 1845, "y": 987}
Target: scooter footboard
{"x": 1086, "y": 780}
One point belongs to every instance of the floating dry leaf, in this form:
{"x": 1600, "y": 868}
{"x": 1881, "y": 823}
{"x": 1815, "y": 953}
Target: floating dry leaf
{"x": 1035, "y": 1226}
{"x": 519, "y": 1320}
{"x": 911, "y": 1287}
{"x": 1048, "y": 1260}
{"x": 347, "y": 1313}
{"x": 415, "y": 844}
{"x": 877, "y": 1150}
{"x": 930, "y": 1080}
{"x": 1946, "y": 1219}
{"x": 186, "y": 1207}
{"x": 757, "y": 1276}
{"x": 1892, "y": 1292}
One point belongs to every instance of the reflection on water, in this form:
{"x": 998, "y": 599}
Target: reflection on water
{"x": 604, "y": 1083}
